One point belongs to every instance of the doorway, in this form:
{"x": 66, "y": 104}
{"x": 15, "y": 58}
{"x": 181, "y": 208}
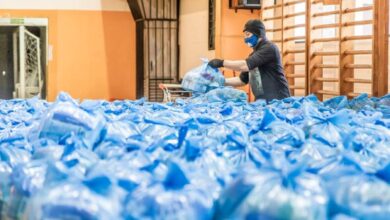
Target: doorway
{"x": 23, "y": 58}
{"x": 157, "y": 45}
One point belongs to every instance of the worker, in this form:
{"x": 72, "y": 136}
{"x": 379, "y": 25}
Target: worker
{"x": 262, "y": 69}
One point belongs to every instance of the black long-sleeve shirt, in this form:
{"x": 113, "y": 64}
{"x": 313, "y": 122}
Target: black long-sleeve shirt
{"x": 266, "y": 75}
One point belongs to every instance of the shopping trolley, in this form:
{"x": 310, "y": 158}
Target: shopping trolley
{"x": 173, "y": 92}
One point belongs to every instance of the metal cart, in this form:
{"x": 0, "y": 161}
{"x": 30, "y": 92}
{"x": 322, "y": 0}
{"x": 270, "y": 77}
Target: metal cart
{"x": 173, "y": 92}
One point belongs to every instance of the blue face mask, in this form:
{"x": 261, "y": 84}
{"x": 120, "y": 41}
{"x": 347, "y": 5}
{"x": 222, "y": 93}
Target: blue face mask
{"x": 252, "y": 41}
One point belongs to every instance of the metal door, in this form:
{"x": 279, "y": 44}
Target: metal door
{"x": 6, "y": 63}
{"x": 29, "y": 79}
{"x": 157, "y": 45}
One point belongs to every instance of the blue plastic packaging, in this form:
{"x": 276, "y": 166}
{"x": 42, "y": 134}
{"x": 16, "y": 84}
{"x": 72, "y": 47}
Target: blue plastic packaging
{"x": 173, "y": 198}
{"x": 213, "y": 156}
{"x": 226, "y": 94}
{"x": 74, "y": 200}
{"x": 360, "y": 196}
{"x": 203, "y": 79}
{"x": 5, "y": 172}
{"x": 270, "y": 193}
{"x": 65, "y": 118}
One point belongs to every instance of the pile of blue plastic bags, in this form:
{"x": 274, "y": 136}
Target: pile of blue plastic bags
{"x": 201, "y": 158}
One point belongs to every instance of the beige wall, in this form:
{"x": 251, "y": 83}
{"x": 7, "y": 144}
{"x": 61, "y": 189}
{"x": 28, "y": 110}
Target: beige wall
{"x": 193, "y": 36}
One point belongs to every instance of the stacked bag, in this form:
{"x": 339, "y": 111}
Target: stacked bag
{"x": 207, "y": 85}
{"x": 296, "y": 158}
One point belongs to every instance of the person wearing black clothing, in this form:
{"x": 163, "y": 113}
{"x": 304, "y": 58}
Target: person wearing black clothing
{"x": 263, "y": 68}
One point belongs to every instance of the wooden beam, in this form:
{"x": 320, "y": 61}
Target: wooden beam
{"x": 326, "y": 66}
{"x": 360, "y": 37}
{"x": 294, "y": 2}
{"x": 314, "y": 74}
{"x": 324, "y": 26}
{"x": 346, "y": 51}
{"x": 327, "y": 13}
{"x": 293, "y": 87}
{"x": 327, "y": 79}
{"x": 287, "y": 57}
{"x": 308, "y": 46}
{"x": 294, "y": 26}
{"x": 353, "y": 80}
{"x": 317, "y": 2}
{"x": 380, "y": 48}
{"x": 321, "y": 40}
{"x": 354, "y": 23}
{"x": 272, "y": 6}
{"x": 294, "y": 51}
{"x": 351, "y": 51}
{"x": 352, "y": 10}
{"x": 294, "y": 14}
{"x": 326, "y": 53}
{"x": 353, "y": 95}
{"x": 327, "y": 92}
{"x": 358, "y": 66}
{"x": 296, "y": 75}
{"x": 331, "y": 2}
{"x": 293, "y": 63}
{"x": 294, "y": 38}
{"x": 273, "y": 18}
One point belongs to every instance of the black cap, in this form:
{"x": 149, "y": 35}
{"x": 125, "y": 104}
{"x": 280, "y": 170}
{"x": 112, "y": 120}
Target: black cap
{"x": 256, "y": 27}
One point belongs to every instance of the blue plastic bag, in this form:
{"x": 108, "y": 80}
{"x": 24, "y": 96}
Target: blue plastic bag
{"x": 338, "y": 102}
{"x": 13, "y": 156}
{"x": 327, "y": 128}
{"x": 203, "y": 79}
{"x": 360, "y": 102}
{"x": 5, "y": 172}
{"x": 360, "y": 196}
{"x": 65, "y": 118}
{"x": 175, "y": 197}
{"x": 269, "y": 193}
{"x": 220, "y": 158}
{"x": 226, "y": 94}
{"x": 369, "y": 147}
{"x": 124, "y": 173}
{"x": 75, "y": 200}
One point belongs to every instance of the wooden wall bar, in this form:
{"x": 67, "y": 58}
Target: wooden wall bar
{"x": 279, "y": 18}
{"x": 345, "y": 63}
{"x": 346, "y": 87}
{"x": 380, "y": 48}
{"x": 323, "y": 49}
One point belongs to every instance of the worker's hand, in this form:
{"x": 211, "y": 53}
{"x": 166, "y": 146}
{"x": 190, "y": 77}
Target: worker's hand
{"x": 216, "y": 63}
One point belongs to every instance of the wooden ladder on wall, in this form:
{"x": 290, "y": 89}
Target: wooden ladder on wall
{"x": 281, "y": 20}
{"x": 331, "y": 65}
{"x": 346, "y": 39}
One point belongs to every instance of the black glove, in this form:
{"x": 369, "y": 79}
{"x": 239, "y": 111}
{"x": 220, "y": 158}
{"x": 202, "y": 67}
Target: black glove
{"x": 216, "y": 63}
